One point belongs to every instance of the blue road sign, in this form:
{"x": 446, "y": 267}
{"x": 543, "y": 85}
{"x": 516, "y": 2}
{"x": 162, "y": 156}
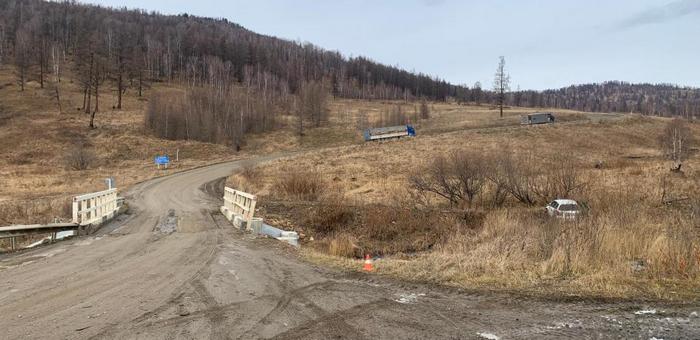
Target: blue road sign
{"x": 162, "y": 160}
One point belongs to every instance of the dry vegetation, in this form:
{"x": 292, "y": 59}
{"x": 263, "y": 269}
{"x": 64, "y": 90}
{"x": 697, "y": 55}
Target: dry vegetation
{"x": 47, "y": 155}
{"x": 486, "y": 228}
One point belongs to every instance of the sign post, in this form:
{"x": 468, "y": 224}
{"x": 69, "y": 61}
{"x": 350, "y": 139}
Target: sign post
{"x": 111, "y": 184}
{"x": 162, "y": 160}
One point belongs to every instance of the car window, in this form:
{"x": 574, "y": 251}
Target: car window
{"x": 554, "y": 205}
{"x": 568, "y": 207}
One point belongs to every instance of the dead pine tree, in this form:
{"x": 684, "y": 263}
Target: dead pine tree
{"x": 120, "y": 79}
{"x": 22, "y": 46}
{"x": 85, "y": 74}
{"x": 501, "y": 83}
{"x": 98, "y": 78}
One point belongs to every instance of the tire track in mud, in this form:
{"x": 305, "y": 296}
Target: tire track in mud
{"x": 192, "y": 285}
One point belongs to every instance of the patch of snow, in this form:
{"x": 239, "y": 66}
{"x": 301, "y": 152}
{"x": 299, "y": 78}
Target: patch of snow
{"x": 645, "y": 311}
{"x": 694, "y": 314}
{"x": 488, "y": 336}
{"x": 408, "y": 298}
{"x": 59, "y": 236}
{"x": 655, "y": 338}
{"x": 63, "y": 234}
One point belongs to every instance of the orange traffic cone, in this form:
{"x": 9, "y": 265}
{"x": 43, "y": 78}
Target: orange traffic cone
{"x": 368, "y": 267}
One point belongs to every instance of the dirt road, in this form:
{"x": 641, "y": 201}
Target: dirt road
{"x": 175, "y": 269}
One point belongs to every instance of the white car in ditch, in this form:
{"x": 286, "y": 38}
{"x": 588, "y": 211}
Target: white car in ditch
{"x": 566, "y": 209}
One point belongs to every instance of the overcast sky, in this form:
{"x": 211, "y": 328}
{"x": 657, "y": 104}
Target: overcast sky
{"x": 547, "y": 43}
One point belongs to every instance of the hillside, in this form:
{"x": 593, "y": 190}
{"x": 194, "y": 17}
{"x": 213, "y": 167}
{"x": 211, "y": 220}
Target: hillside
{"x": 136, "y": 46}
{"x": 649, "y": 99}
{"x": 37, "y": 174}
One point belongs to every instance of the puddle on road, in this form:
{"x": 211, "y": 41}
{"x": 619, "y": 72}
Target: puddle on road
{"x": 168, "y": 225}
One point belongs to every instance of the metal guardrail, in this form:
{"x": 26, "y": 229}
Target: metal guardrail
{"x": 95, "y": 207}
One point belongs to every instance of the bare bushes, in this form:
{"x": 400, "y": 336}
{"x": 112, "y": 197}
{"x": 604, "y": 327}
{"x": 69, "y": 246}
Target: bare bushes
{"x": 343, "y": 245}
{"x": 217, "y": 110}
{"x": 391, "y": 229}
{"x": 424, "y": 110}
{"x": 457, "y": 178}
{"x": 247, "y": 179}
{"x": 38, "y": 210}
{"x": 208, "y": 115}
{"x": 330, "y": 216}
{"x": 676, "y": 140}
{"x": 302, "y": 185}
{"x": 464, "y": 176}
{"x": 393, "y": 117}
{"x": 79, "y": 157}
{"x": 313, "y": 102}
{"x": 353, "y": 231}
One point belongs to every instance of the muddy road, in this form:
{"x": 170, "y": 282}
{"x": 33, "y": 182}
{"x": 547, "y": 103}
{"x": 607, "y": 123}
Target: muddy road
{"x": 174, "y": 268}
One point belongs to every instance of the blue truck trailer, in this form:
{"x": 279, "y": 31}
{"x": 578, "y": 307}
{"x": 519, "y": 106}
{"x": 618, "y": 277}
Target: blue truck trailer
{"x": 389, "y": 132}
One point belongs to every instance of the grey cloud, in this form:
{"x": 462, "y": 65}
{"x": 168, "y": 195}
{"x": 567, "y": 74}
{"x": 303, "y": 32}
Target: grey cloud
{"x": 661, "y": 14}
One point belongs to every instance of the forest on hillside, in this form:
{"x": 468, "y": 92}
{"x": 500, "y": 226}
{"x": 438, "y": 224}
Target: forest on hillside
{"x": 237, "y": 81}
{"x": 616, "y": 96}
{"x": 148, "y": 46}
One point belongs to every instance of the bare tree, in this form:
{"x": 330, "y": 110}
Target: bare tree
{"x": 119, "y": 69}
{"x": 476, "y": 93}
{"x": 675, "y": 142}
{"x": 501, "y": 83}
{"x": 312, "y": 103}
{"x": 393, "y": 117}
{"x": 98, "y": 79}
{"x": 2, "y": 44}
{"x": 22, "y": 56}
{"x": 424, "y": 110}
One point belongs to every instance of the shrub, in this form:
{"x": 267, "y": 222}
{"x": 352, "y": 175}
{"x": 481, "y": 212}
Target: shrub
{"x": 79, "y": 157}
{"x": 424, "y": 110}
{"x": 457, "y": 178}
{"x": 302, "y": 185}
{"x": 675, "y": 141}
{"x": 331, "y": 215}
{"x": 343, "y": 245}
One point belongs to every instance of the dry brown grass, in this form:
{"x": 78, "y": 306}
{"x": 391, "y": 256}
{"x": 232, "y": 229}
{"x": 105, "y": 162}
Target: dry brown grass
{"x": 630, "y": 244}
{"x": 34, "y": 181}
{"x": 302, "y": 185}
